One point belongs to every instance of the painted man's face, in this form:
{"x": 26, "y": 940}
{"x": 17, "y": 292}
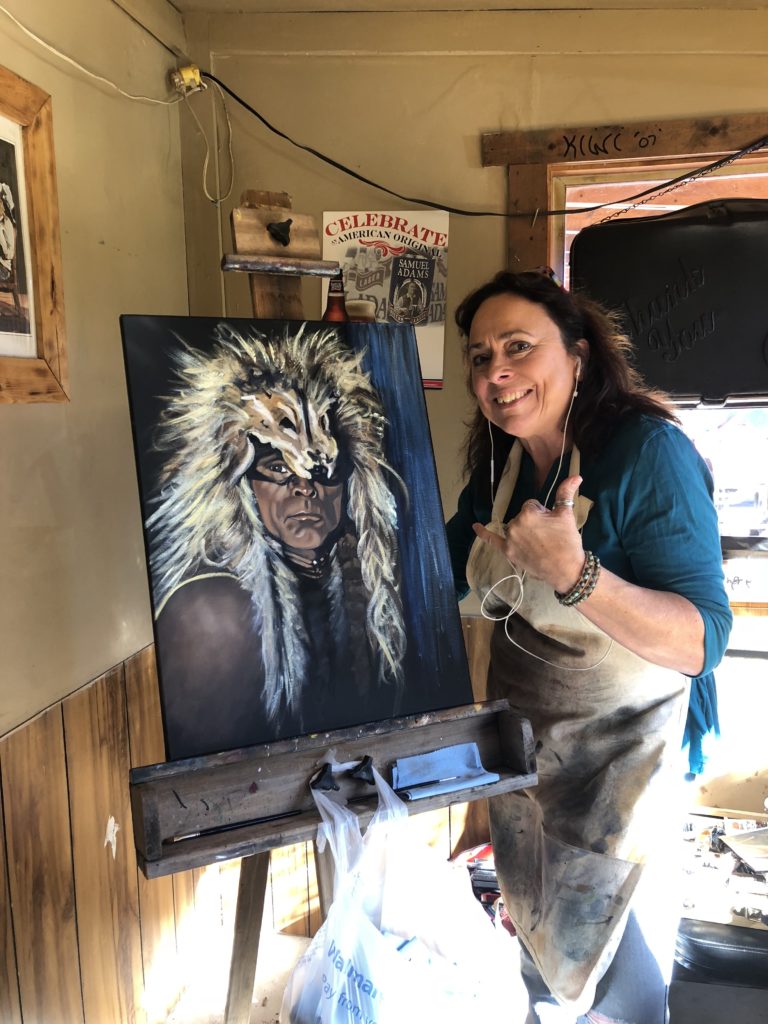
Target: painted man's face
{"x": 300, "y": 513}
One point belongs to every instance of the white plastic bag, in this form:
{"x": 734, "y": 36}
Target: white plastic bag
{"x": 404, "y": 937}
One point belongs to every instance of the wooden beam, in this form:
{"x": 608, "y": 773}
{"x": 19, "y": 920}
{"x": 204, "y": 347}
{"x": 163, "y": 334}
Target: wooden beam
{"x": 245, "y": 950}
{"x": 222, "y": 806}
{"x": 659, "y": 138}
{"x": 527, "y": 236}
{"x": 277, "y": 294}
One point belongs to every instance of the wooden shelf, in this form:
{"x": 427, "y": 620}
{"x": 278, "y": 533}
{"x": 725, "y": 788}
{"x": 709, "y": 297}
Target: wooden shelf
{"x": 208, "y": 809}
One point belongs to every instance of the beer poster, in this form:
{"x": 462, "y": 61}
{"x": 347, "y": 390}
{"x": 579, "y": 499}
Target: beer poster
{"x": 398, "y": 263}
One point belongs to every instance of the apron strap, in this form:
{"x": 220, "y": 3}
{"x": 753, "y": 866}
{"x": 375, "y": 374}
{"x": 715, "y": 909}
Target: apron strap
{"x": 509, "y": 477}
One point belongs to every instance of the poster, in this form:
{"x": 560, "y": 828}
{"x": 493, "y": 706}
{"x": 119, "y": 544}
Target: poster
{"x": 298, "y": 564}
{"x": 399, "y": 261}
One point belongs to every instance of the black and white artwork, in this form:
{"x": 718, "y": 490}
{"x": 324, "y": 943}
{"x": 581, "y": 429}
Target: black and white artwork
{"x": 16, "y": 328}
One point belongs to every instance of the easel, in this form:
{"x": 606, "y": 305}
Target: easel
{"x": 247, "y": 802}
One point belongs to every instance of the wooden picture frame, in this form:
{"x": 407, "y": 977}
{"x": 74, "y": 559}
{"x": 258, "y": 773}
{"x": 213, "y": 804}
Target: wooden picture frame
{"x": 42, "y": 377}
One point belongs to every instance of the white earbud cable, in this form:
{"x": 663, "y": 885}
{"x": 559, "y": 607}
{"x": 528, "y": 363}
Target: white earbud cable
{"x": 520, "y": 577}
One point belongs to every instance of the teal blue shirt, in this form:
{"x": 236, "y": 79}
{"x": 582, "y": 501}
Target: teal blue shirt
{"x": 652, "y": 523}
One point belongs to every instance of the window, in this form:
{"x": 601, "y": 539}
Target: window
{"x": 733, "y": 441}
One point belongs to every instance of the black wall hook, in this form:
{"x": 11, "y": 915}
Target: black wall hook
{"x": 280, "y": 231}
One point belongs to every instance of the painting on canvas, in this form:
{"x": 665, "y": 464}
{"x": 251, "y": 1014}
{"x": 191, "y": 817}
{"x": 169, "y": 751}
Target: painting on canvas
{"x": 297, "y": 559}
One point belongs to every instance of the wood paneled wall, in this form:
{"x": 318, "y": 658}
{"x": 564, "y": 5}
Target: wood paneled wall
{"x": 84, "y": 937}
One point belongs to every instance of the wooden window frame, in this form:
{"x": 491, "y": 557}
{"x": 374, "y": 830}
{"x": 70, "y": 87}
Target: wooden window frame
{"x": 533, "y": 158}
{"x": 44, "y": 377}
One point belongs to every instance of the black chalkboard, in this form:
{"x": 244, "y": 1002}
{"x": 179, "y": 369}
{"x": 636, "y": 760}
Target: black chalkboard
{"x": 691, "y": 290}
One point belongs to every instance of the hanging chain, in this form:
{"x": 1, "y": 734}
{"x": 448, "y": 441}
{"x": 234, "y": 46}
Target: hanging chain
{"x": 687, "y": 178}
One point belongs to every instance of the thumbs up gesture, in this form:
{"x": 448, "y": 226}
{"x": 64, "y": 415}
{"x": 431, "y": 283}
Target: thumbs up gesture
{"x": 544, "y": 542}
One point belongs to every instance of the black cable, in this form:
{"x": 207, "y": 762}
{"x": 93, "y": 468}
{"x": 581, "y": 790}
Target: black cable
{"x": 696, "y": 173}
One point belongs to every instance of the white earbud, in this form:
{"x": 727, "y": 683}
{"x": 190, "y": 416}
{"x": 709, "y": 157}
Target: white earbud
{"x": 578, "y": 371}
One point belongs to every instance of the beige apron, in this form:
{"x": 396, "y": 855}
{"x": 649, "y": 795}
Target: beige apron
{"x": 569, "y": 852}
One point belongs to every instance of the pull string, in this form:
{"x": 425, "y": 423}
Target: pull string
{"x": 706, "y": 169}
{"x": 520, "y": 577}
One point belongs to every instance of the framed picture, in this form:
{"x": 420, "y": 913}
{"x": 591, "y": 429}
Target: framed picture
{"x": 298, "y": 562}
{"x": 33, "y": 365}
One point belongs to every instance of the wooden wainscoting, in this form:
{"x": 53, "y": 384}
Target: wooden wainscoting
{"x": 84, "y": 937}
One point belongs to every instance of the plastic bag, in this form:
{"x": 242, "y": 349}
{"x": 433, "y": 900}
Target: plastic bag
{"x": 405, "y": 935}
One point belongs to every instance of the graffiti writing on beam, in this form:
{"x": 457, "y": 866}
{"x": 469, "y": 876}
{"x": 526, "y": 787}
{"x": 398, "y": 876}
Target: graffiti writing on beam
{"x": 607, "y": 142}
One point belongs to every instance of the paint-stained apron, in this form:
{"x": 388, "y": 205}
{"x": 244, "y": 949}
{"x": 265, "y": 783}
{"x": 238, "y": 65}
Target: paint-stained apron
{"x": 570, "y": 852}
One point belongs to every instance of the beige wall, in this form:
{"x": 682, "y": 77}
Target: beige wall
{"x": 73, "y": 593}
{"x": 403, "y": 98}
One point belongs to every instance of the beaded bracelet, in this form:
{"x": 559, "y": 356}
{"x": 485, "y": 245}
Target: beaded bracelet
{"x": 585, "y": 584}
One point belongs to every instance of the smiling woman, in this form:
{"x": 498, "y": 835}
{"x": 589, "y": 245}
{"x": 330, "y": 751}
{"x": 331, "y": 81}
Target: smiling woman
{"x": 588, "y": 530}
{"x": 521, "y": 372}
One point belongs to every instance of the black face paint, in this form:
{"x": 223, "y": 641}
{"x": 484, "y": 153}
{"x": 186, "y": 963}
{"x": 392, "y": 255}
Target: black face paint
{"x": 269, "y": 465}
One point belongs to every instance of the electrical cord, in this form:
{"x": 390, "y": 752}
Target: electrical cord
{"x": 666, "y": 185}
{"x": 213, "y": 199}
{"x": 81, "y": 67}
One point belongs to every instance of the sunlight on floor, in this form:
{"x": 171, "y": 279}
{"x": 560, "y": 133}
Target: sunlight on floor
{"x": 204, "y": 1000}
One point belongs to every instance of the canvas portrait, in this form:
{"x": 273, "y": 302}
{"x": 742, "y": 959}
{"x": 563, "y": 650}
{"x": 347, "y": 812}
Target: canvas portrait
{"x": 297, "y": 559}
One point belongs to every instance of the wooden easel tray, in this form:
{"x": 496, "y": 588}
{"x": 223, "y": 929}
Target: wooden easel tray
{"x": 206, "y": 809}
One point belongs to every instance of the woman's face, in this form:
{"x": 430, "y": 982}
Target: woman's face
{"x": 301, "y": 514}
{"x": 521, "y": 374}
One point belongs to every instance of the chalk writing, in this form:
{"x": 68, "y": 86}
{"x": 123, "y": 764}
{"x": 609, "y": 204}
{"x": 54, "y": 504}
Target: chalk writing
{"x": 669, "y": 344}
{"x": 651, "y": 321}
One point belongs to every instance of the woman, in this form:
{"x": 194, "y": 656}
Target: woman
{"x": 588, "y": 528}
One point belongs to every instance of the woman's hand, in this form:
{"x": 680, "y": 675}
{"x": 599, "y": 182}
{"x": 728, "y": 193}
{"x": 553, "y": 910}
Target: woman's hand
{"x": 664, "y": 628}
{"x": 543, "y": 542}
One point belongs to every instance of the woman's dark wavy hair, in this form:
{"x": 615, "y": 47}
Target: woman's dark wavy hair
{"x": 610, "y": 387}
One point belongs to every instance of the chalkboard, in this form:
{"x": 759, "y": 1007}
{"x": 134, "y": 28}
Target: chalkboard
{"x": 691, "y": 291}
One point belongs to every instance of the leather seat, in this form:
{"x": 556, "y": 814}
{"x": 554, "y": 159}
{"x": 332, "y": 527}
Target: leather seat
{"x": 723, "y": 953}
